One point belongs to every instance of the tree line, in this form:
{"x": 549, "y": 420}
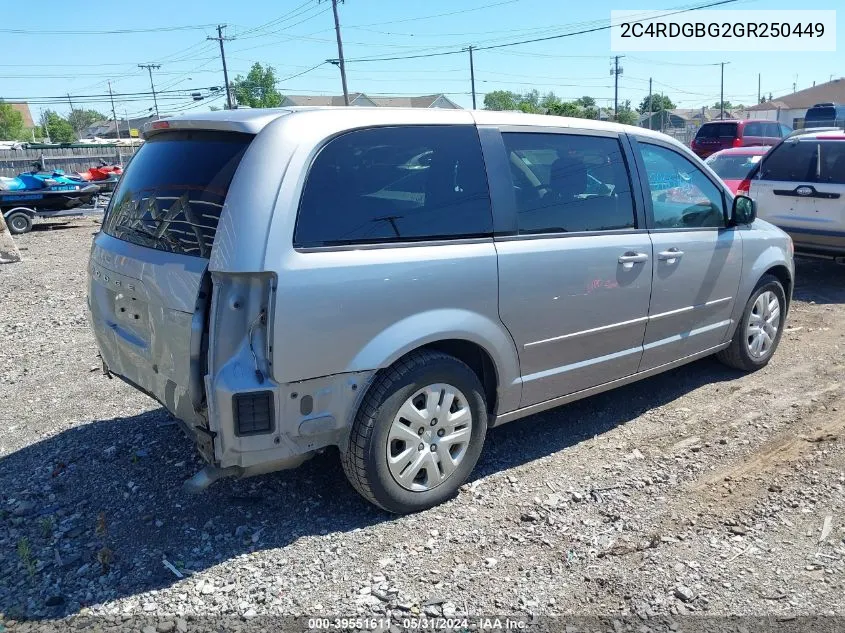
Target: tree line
{"x": 258, "y": 90}
{"x": 52, "y": 125}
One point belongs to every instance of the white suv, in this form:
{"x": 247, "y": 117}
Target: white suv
{"x": 800, "y": 187}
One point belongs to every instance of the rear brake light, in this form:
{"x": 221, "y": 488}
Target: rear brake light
{"x": 737, "y": 142}
{"x": 744, "y": 188}
{"x": 159, "y": 125}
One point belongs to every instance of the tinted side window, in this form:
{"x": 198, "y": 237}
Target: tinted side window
{"x": 753, "y": 129}
{"x": 681, "y": 195}
{"x": 569, "y": 182}
{"x": 395, "y": 184}
{"x": 784, "y": 130}
{"x": 832, "y": 167}
{"x": 807, "y": 161}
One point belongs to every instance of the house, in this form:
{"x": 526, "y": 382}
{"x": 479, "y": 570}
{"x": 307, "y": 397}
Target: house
{"x": 361, "y": 99}
{"x": 107, "y": 128}
{"x": 791, "y": 109}
{"x": 426, "y": 101}
{"x": 23, "y": 108}
{"x": 685, "y": 118}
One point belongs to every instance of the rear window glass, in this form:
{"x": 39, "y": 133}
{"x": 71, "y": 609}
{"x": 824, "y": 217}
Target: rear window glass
{"x": 820, "y": 114}
{"x": 806, "y": 161}
{"x": 736, "y": 167}
{"x": 394, "y": 184}
{"x": 717, "y": 130}
{"x": 172, "y": 193}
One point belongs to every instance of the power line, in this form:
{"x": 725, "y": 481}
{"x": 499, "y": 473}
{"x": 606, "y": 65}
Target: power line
{"x": 107, "y": 95}
{"x": 302, "y": 73}
{"x": 279, "y": 20}
{"x": 196, "y": 27}
{"x": 438, "y": 15}
{"x": 537, "y": 39}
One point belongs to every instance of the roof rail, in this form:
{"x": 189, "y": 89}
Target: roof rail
{"x": 813, "y": 130}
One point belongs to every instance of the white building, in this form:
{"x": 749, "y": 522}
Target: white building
{"x": 791, "y": 109}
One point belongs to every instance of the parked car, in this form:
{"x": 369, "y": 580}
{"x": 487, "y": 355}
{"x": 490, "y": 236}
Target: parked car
{"x": 800, "y": 187}
{"x": 736, "y": 165}
{"x": 825, "y": 115}
{"x": 718, "y": 135}
{"x": 395, "y": 281}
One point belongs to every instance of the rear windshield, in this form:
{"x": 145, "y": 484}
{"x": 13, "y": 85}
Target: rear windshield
{"x": 806, "y": 161}
{"x": 736, "y": 167}
{"x": 717, "y": 130}
{"x": 820, "y": 117}
{"x": 171, "y": 195}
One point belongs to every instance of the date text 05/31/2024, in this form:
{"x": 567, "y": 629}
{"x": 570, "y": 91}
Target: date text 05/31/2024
{"x": 418, "y": 624}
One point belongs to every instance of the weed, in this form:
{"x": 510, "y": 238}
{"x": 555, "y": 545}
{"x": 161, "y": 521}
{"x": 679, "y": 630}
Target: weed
{"x": 47, "y": 527}
{"x": 25, "y": 554}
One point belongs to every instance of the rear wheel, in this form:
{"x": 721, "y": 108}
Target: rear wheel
{"x": 19, "y": 222}
{"x": 418, "y": 433}
{"x": 758, "y": 333}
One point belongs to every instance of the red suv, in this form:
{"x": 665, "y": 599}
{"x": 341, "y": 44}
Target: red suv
{"x": 719, "y": 135}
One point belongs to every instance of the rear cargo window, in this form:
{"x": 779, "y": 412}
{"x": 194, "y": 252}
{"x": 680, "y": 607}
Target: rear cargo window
{"x": 171, "y": 195}
{"x": 395, "y": 184}
{"x": 717, "y": 130}
{"x": 806, "y": 161}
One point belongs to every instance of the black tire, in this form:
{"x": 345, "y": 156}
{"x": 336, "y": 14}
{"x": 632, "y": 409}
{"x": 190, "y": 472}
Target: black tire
{"x": 737, "y": 355}
{"x": 364, "y": 460}
{"x": 18, "y": 223}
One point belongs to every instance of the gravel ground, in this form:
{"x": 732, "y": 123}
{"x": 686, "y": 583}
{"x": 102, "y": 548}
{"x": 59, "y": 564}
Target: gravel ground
{"x": 700, "y": 491}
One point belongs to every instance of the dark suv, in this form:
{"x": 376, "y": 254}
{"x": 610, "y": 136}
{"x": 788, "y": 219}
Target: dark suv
{"x": 719, "y": 135}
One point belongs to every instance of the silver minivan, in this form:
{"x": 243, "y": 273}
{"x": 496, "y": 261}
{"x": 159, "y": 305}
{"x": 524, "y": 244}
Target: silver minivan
{"x": 394, "y": 282}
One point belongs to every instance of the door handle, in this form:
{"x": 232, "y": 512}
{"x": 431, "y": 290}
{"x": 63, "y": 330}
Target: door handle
{"x": 671, "y": 255}
{"x": 630, "y": 258}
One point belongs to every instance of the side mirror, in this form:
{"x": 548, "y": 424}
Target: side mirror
{"x": 744, "y": 210}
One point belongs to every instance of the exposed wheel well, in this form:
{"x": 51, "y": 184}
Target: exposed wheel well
{"x": 783, "y": 276}
{"x": 477, "y": 359}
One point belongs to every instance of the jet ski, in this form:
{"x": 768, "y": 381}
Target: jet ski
{"x": 105, "y": 176}
{"x": 46, "y": 190}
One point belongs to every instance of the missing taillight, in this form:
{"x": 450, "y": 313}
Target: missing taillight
{"x": 253, "y": 413}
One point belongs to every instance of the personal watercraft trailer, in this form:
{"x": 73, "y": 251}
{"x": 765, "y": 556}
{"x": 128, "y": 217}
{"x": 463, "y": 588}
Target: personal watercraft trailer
{"x": 42, "y": 195}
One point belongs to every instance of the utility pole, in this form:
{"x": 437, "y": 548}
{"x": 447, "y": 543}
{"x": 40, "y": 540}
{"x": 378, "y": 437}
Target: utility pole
{"x": 220, "y": 39}
{"x": 150, "y": 68}
{"x": 340, "y": 62}
{"x": 722, "y": 93}
{"x": 70, "y": 103}
{"x": 616, "y": 71}
{"x": 472, "y": 76}
{"x": 758, "y": 88}
{"x": 113, "y": 113}
{"x": 649, "y": 103}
